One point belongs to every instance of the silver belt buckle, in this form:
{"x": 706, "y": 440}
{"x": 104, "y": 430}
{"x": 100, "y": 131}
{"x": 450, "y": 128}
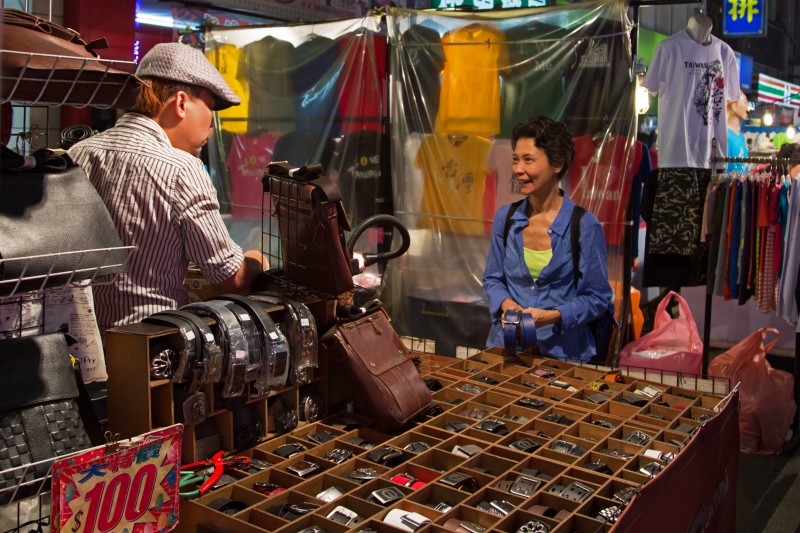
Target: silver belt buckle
{"x": 577, "y": 492}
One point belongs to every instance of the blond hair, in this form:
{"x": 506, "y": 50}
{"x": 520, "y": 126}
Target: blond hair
{"x": 155, "y": 94}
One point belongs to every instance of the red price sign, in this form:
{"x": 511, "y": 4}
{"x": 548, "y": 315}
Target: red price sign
{"x": 132, "y": 487}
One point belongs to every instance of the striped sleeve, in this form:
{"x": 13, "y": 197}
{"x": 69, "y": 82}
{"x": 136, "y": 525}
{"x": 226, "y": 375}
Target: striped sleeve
{"x": 206, "y": 240}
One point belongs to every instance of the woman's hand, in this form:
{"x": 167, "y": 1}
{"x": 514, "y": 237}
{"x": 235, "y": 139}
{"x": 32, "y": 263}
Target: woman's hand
{"x": 509, "y": 305}
{"x": 542, "y": 317}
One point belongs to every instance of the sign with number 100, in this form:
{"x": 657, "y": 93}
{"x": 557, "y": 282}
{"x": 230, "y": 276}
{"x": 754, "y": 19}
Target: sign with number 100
{"x": 133, "y": 490}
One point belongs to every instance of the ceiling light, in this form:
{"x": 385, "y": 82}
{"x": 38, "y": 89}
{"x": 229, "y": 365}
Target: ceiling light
{"x": 152, "y": 19}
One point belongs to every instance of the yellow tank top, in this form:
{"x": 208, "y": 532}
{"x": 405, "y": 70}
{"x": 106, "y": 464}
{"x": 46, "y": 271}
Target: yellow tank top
{"x": 536, "y": 260}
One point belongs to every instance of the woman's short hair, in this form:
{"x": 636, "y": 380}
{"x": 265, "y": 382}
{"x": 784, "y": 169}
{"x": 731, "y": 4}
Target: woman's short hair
{"x": 550, "y": 136}
{"x": 156, "y": 93}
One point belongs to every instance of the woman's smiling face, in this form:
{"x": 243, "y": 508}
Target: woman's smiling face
{"x": 532, "y": 168}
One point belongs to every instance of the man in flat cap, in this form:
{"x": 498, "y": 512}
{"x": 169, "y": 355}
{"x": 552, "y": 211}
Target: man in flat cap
{"x": 158, "y": 192}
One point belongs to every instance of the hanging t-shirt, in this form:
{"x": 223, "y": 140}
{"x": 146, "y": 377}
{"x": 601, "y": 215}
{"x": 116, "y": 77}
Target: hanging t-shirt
{"x": 269, "y": 71}
{"x": 500, "y": 168}
{"x": 470, "y": 97}
{"x": 600, "y": 179}
{"x": 454, "y": 181}
{"x": 737, "y": 147}
{"x": 694, "y": 82}
{"x": 316, "y": 62}
{"x": 599, "y": 85}
{"x": 229, "y": 61}
{"x": 362, "y": 83}
{"x": 533, "y": 83}
{"x": 300, "y": 148}
{"x": 248, "y": 158}
{"x": 420, "y": 59}
{"x": 360, "y": 167}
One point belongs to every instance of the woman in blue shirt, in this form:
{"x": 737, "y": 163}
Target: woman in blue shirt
{"x": 531, "y": 271}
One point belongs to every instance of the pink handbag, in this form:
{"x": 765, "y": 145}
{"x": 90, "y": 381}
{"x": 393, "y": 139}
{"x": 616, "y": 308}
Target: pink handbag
{"x": 674, "y": 345}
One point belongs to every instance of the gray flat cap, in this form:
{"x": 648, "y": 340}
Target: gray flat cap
{"x": 184, "y": 64}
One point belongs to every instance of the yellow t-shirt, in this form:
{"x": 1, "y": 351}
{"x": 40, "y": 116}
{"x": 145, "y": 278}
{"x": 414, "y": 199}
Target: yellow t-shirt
{"x": 469, "y": 102}
{"x": 228, "y": 58}
{"x": 536, "y": 260}
{"x": 454, "y": 181}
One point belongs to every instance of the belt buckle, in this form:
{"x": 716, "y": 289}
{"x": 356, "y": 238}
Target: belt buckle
{"x": 577, "y": 492}
{"x": 525, "y": 486}
{"x": 502, "y": 506}
{"x": 513, "y": 320}
{"x": 639, "y": 437}
{"x": 387, "y": 495}
{"x": 414, "y": 520}
{"x": 472, "y": 527}
{"x": 345, "y": 516}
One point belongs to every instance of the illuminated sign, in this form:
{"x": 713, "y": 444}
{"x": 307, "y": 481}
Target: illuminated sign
{"x": 487, "y": 4}
{"x": 744, "y": 17}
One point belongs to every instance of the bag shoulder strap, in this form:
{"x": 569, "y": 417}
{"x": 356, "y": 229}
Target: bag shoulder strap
{"x": 575, "y": 241}
{"x": 575, "y": 233}
{"x": 511, "y": 210}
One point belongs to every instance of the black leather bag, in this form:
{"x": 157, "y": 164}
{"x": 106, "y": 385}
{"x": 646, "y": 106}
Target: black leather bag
{"x": 50, "y": 211}
{"x": 39, "y": 412}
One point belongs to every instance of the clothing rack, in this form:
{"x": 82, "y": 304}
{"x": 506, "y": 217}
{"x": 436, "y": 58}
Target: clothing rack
{"x": 708, "y": 303}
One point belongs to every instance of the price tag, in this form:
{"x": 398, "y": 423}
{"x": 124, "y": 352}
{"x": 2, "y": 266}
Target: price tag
{"x": 128, "y": 486}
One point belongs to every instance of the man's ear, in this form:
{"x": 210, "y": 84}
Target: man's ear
{"x": 178, "y": 104}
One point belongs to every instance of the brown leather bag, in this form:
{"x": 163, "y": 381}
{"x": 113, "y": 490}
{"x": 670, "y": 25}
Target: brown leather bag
{"x": 380, "y": 368}
{"x": 45, "y": 63}
{"x": 312, "y": 223}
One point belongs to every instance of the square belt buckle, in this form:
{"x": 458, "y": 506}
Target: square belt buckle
{"x": 414, "y": 520}
{"x": 577, "y": 492}
{"x": 511, "y": 317}
{"x": 387, "y": 495}
{"x": 525, "y": 486}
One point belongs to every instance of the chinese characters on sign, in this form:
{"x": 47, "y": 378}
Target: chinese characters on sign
{"x": 134, "y": 489}
{"x": 744, "y": 17}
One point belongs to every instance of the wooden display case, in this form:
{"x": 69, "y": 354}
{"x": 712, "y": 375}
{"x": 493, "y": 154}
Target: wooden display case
{"x": 605, "y": 433}
{"x": 137, "y": 404}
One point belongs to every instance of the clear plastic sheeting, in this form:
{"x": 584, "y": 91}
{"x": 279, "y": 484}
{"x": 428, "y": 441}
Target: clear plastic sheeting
{"x": 460, "y": 82}
{"x": 440, "y": 92}
{"x": 312, "y": 93}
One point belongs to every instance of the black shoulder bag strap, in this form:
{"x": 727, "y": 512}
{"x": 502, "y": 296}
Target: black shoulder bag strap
{"x": 575, "y": 241}
{"x": 511, "y": 210}
{"x": 575, "y": 233}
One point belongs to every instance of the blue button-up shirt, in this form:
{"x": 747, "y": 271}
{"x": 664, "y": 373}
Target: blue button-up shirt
{"x": 507, "y": 276}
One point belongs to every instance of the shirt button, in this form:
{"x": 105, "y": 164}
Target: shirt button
{"x": 549, "y": 231}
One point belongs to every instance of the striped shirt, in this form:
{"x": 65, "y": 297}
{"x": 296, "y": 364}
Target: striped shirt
{"x": 162, "y": 202}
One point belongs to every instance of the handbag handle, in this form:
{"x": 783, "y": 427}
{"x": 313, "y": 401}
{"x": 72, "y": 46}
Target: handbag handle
{"x": 661, "y": 312}
{"x": 377, "y": 220}
{"x": 770, "y": 345}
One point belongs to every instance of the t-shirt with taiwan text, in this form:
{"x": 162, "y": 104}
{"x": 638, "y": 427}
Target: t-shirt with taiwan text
{"x": 694, "y": 82}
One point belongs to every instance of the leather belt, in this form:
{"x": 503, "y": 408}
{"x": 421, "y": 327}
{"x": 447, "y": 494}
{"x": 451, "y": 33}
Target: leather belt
{"x": 274, "y": 347}
{"x": 301, "y": 330}
{"x": 206, "y": 364}
{"x": 187, "y": 353}
{"x": 232, "y": 342}
{"x": 519, "y": 329}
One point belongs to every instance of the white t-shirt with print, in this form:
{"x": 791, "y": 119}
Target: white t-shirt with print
{"x": 693, "y": 82}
